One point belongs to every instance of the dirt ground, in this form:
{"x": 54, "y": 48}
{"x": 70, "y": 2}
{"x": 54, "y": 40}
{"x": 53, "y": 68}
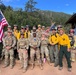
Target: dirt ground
{"x": 48, "y": 70}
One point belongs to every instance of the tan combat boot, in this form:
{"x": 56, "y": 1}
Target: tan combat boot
{"x": 5, "y": 66}
{"x": 41, "y": 67}
{"x": 32, "y": 66}
{"x": 21, "y": 67}
{"x": 49, "y": 63}
{"x": 24, "y": 70}
{"x": 11, "y": 67}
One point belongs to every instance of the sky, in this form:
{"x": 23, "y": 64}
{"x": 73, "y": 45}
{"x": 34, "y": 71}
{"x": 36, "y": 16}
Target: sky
{"x": 66, "y": 6}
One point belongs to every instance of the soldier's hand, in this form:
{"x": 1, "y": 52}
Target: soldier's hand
{"x": 42, "y": 38}
{"x": 35, "y": 48}
{"x": 25, "y": 51}
{"x": 18, "y": 51}
{"x": 68, "y": 50}
{"x": 8, "y": 47}
{"x": 52, "y": 44}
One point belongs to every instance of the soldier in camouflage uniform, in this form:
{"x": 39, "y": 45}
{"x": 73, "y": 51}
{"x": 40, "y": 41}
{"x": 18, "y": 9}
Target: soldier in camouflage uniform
{"x": 5, "y": 34}
{"x": 72, "y": 38}
{"x": 22, "y": 47}
{"x": 33, "y": 31}
{"x": 44, "y": 47}
{"x": 9, "y": 43}
{"x": 73, "y": 53}
{"x": 43, "y": 29}
{"x": 39, "y": 31}
{"x": 48, "y": 32}
{"x": 34, "y": 47}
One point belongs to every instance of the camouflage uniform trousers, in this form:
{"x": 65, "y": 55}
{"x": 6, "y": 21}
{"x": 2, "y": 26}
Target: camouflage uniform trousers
{"x": 54, "y": 54}
{"x": 32, "y": 56}
{"x": 11, "y": 53}
{"x": 44, "y": 49}
{"x": 23, "y": 55}
{"x": 73, "y": 55}
{"x": 3, "y": 53}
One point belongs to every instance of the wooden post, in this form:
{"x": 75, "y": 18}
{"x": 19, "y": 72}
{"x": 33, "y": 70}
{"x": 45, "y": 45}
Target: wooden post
{"x": 72, "y": 26}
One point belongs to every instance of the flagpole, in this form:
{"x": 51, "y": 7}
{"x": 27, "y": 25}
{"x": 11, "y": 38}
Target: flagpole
{"x": 3, "y": 16}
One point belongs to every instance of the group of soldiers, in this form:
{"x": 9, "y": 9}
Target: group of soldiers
{"x": 36, "y": 46}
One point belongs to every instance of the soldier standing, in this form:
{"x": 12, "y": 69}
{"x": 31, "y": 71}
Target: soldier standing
{"x": 34, "y": 49}
{"x": 72, "y": 43}
{"x": 22, "y": 47}
{"x": 5, "y": 34}
{"x": 64, "y": 43}
{"x": 48, "y": 32}
{"x": 34, "y": 31}
{"x": 54, "y": 40}
{"x": 39, "y": 31}
{"x": 22, "y": 31}
{"x": 43, "y": 28}
{"x": 44, "y": 47}
{"x": 27, "y": 32}
{"x": 15, "y": 31}
{"x": 9, "y": 43}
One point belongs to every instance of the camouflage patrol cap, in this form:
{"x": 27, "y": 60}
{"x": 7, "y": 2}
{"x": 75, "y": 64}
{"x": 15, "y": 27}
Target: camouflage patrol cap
{"x": 27, "y": 26}
{"x": 47, "y": 27}
{"x": 22, "y": 27}
{"x": 39, "y": 25}
{"x": 9, "y": 26}
{"x": 43, "y": 26}
{"x": 10, "y": 31}
{"x": 34, "y": 27}
{"x": 15, "y": 25}
{"x": 59, "y": 26}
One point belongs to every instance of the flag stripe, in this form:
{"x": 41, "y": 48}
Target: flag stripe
{"x": 1, "y": 35}
{"x": 3, "y": 22}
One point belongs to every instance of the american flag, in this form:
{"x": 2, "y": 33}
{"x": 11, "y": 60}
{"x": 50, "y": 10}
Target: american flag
{"x": 3, "y": 23}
